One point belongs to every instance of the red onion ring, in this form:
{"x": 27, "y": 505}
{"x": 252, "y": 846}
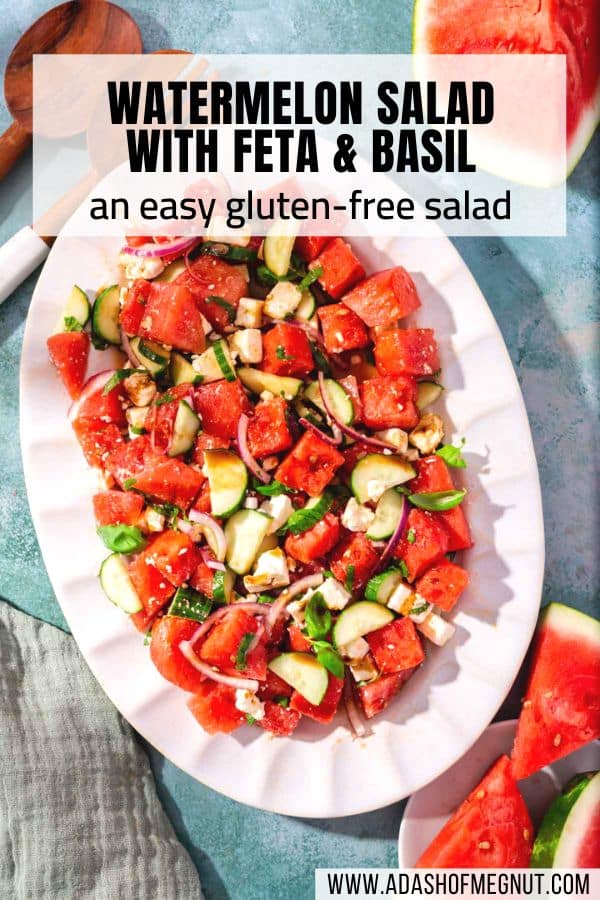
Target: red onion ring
{"x": 244, "y": 684}
{"x": 298, "y": 587}
{"x": 352, "y": 711}
{"x": 210, "y": 562}
{"x": 247, "y": 458}
{"x": 206, "y": 524}
{"x": 395, "y": 538}
{"x": 352, "y": 432}
{"x": 94, "y": 384}
{"x": 129, "y": 351}
{"x": 334, "y": 441}
{"x": 177, "y": 246}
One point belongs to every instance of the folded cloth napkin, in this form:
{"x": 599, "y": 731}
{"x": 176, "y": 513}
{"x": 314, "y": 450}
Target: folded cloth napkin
{"x": 79, "y": 814}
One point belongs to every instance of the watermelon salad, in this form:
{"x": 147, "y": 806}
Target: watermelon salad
{"x": 276, "y": 494}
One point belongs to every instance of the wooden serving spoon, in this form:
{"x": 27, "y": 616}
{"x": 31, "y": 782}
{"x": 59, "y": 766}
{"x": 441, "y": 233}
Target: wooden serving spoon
{"x": 80, "y": 26}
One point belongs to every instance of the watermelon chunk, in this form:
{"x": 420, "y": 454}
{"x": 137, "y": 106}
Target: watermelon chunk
{"x": 561, "y": 709}
{"x": 569, "y": 836}
{"x": 490, "y": 829}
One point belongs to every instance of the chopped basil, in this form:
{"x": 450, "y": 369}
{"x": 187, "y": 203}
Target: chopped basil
{"x": 411, "y": 536}
{"x": 328, "y": 574}
{"x": 350, "y": 573}
{"x": 281, "y": 354}
{"x": 250, "y": 719}
{"x": 70, "y": 323}
{"x": 271, "y": 490}
{"x": 317, "y": 617}
{"x": 240, "y": 659}
{"x": 282, "y": 701}
{"x": 307, "y": 517}
{"x": 453, "y": 455}
{"x": 166, "y": 398}
{"x": 438, "y": 501}
{"x": 224, "y": 304}
{"x": 417, "y": 610}
{"x": 169, "y": 511}
{"x": 403, "y": 568}
{"x": 129, "y": 483}
{"x": 116, "y": 378}
{"x": 190, "y": 604}
{"x": 319, "y": 358}
{"x": 332, "y": 661}
{"x": 147, "y": 637}
{"x": 122, "y": 538}
{"x": 265, "y": 598}
{"x": 310, "y": 277}
{"x": 264, "y": 274}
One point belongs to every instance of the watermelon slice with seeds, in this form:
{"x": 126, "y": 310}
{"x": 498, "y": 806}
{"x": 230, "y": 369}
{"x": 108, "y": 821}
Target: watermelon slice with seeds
{"x": 569, "y": 836}
{"x": 561, "y": 708}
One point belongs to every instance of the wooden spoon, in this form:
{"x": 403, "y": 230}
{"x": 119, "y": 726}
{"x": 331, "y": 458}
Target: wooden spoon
{"x": 79, "y": 26}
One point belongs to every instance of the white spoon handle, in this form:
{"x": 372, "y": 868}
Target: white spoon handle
{"x": 19, "y": 256}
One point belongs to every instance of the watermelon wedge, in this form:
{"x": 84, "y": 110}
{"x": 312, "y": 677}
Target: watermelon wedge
{"x": 491, "y": 829}
{"x": 561, "y": 709}
{"x": 525, "y": 26}
{"x": 569, "y": 836}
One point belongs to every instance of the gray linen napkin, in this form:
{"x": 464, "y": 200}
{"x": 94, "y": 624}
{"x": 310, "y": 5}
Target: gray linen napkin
{"x": 79, "y": 814}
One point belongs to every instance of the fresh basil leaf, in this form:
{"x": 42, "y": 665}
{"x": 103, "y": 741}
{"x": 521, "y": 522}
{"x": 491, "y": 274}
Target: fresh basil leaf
{"x": 264, "y": 274}
{"x": 122, "y": 538}
{"x": 240, "y": 659}
{"x": 190, "y": 604}
{"x": 319, "y": 358}
{"x": 70, "y": 323}
{"x": 303, "y": 519}
{"x": 417, "y": 610}
{"x": 166, "y": 398}
{"x": 250, "y": 720}
{"x": 310, "y": 277}
{"x": 147, "y": 637}
{"x": 438, "y": 501}
{"x": 350, "y": 573}
{"x": 274, "y": 489}
{"x": 281, "y": 354}
{"x": 129, "y": 483}
{"x": 224, "y": 304}
{"x": 265, "y": 598}
{"x": 116, "y": 378}
{"x": 403, "y": 568}
{"x": 453, "y": 455}
{"x": 332, "y": 661}
{"x": 411, "y": 536}
{"x": 317, "y": 618}
{"x": 282, "y": 701}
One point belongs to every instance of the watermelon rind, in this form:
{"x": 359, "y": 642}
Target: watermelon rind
{"x": 572, "y": 622}
{"x": 556, "y": 833}
{"x": 589, "y": 121}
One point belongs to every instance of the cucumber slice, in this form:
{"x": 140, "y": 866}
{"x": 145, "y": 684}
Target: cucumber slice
{"x": 224, "y": 360}
{"x": 245, "y": 532}
{"x": 77, "y": 311}
{"x": 380, "y": 588}
{"x": 307, "y": 307}
{"x": 182, "y": 371}
{"x": 305, "y": 518}
{"x": 222, "y": 586}
{"x": 279, "y": 385}
{"x": 278, "y": 246}
{"x": 215, "y": 363}
{"x": 427, "y": 393}
{"x": 304, "y": 673}
{"x": 387, "y": 515}
{"x": 190, "y": 604}
{"x": 153, "y": 357}
{"x": 105, "y": 316}
{"x": 185, "y": 429}
{"x": 375, "y": 473}
{"x": 117, "y": 584}
{"x": 172, "y": 271}
{"x": 136, "y": 417}
{"x": 228, "y": 481}
{"x": 359, "y": 619}
{"x": 337, "y": 398}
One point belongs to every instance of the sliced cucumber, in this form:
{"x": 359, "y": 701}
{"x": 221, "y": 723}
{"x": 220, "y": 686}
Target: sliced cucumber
{"x": 172, "y": 271}
{"x": 304, "y": 673}
{"x": 182, "y": 371}
{"x": 105, "y": 316}
{"x": 190, "y": 604}
{"x": 427, "y": 393}
{"x": 215, "y": 363}
{"x": 307, "y": 517}
{"x": 136, "y": 417}
{"x": 380, "y": 588}
{"x": 375, "y": 473}
{"x": 337, "y": 398}
{"x": 185, "y": 429}
{"x": 387, "y": 515}
{"x": 153, "y": 357}
{"x": 245, "y": 532}
{"x": 222, "y": 586}
{"x": 279, "y": 385}
{"x": 228, "y": 481}
{"x": 359, "y": 619}
{"x": 278, "y": 246}
{"x": 117, "y": 584}
{"x": 77, "y": 311}
{"x": 307, "y": 307}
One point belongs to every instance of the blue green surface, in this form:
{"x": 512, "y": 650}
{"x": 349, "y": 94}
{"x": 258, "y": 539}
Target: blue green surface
{"x": 544, "y": 294}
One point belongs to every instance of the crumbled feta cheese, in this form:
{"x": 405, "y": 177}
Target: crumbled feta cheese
{"x": 147, "y": 267}
{"x": 334, "y": 594}
{"x": 375, "y": 489}
{"x": 266, "y": 395}
{"x": 357, "y": 517}
{"x": 206, "y": 326}
{"x": 436, "y": 629}
{"x": 220, "y": 232}
{"x": 401, "y": 598}
{"x": 251, "y": 503}
{"x": 249, "y": 313}
{"x": 419, "y": 609}
{"x": 395, "y": 436}
{"x": 355, "y": 650}
{"x": 270, "y": 571}
{"x": 140, "y": 388}
{"x": 247, "y": 344}
{"x": 364, "y": 669}
{"x": 279, "y": 509}
{"x": 295, "y": 609}
{"x": 248, "y": 703}
{"x": 282, "y": 300}
{"x": 428, "y": 433}
{"x": 151, "y": 520}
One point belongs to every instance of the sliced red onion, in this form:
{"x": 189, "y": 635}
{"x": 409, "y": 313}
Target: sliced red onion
{"x": 247, "y": 458}
{"x": 129, "y": 351}
{"x": 212, "y": 531}
{"x": 218, "y": 614}
{"x": 395, "y": 538}
{"x": 176, "y": 246}
{"x": 298, "y": 587}
{"x": 355, "y": 718}
{"x": 94, "y": 384}
{"x": 244, "y": 684}
{"x": 352, "y": 432}
{"x": 185, "y": 527}
{"x": 210, "y": 562}
{"x": 334, "y": 441}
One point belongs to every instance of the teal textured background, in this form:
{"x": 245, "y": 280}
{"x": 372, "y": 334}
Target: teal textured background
{"x": 544, "y": 294}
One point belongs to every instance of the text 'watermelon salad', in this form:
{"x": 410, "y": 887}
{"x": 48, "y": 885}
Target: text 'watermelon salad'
{"x": 276, "y": 495}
